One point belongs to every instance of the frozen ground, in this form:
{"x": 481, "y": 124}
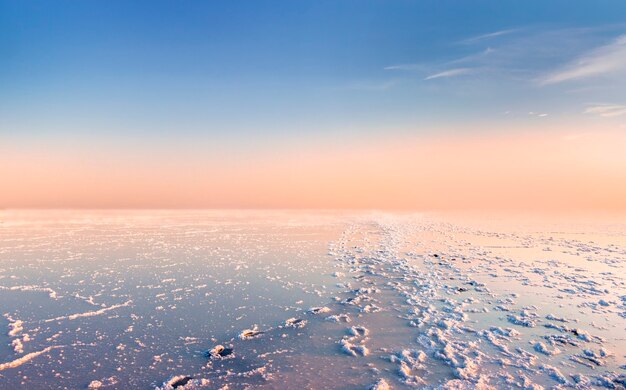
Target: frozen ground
{"x": 204, "y": 299}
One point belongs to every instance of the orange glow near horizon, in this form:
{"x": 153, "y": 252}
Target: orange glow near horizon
{"x": 537, "y": 171}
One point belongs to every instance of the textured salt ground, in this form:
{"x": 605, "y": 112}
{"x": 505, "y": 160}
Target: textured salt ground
{"x": 435, "y": 305}
{"x": 452, "y": 348}
{"x": 190, "y": 279}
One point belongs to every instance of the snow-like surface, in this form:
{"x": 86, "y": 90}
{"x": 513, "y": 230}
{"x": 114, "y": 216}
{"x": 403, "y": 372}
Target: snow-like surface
{"x": 204, "y": 299}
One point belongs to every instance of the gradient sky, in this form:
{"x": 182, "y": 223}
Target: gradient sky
{"x": 373, "y": 104}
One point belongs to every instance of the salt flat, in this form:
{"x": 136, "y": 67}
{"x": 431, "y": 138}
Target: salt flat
{"x": 311, "y": 299}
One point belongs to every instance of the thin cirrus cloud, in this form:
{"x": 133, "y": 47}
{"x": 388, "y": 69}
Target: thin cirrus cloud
{"x": 443, "y": 74}
{"x": 494, "y": 34}
{"x": 606, "y": 110}
{"x": 535, "y": 51}
{"x": 604, "y": 60}
{"x": 405, "y": 67}
{"x": 450, "y": 73}
{"x": 475, "y": 62}
{"x": 513, "y": 63}
{"x": 457, "y": 71}
{"x": 473, "y": 58}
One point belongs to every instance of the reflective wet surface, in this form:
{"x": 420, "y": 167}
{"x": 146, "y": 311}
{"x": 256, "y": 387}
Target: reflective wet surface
{"x": 292, "y": 299}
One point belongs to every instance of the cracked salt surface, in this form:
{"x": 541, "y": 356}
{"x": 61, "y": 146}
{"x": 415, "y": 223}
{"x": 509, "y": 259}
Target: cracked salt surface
{"x": 207, "y": 299}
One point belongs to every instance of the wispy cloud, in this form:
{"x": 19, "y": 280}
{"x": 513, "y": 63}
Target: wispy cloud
{"x": 494, "y": 34}
{"x": 511, "y": 62}
{"x": 521, "y": 55}
{"x": 607, "y": 59}
{"x": 405, "y": 67}
{"x": 606, "y": 110}
{"x": 480, "y": 56}
{"x": 450, "y": 73}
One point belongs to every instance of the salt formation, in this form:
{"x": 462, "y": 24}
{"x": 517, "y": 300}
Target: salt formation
{"x": 219, "y": 352}
{"x": 354, "y": 343}
{"x": 296, "y": 323}
{"x": 339, "y": 318}
{"x": 247, "y": 334}
{"x": 410, "y": 363}
{"x": 542, "y": 348}
{"x": 394, "y": 301}
{"x": 103, "y": 383}
{"x": 319, "y": 310}
{"x": 26, "y": 358}
{"x": 381, "y": 384}
{"x": 184, "y": 382}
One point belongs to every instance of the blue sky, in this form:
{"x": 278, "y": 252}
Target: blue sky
{"x": 275, "y": 69}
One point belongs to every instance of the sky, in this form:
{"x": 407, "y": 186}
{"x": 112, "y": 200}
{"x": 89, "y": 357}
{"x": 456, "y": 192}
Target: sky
{"x": 313, "y": 104}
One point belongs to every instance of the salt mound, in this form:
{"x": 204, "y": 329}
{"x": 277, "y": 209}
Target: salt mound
{"x": 296, "y": 323}
{"x": 380, "y": 384}
{"x": 219, "y": 352}
{"x": 358, "y": 331}
{"x": 353, "y": 349}
{"x": 319, "y": 310}
{"x": 542, "y": 348}
{"x": 248, "y": 334}
{"x": 184, "y": 382}
{"x": 338, "y": 318}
